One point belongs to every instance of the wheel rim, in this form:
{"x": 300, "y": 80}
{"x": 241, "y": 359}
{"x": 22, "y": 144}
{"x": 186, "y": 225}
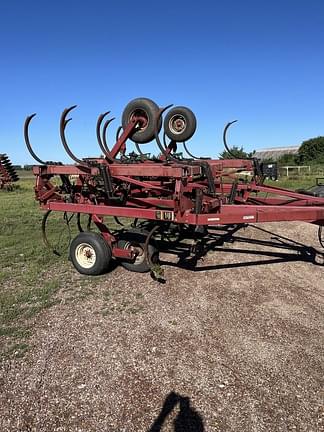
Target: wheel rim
{"x": 140, "y": 255}
{"x": 142, "y": 115}
{"x": 85, "y": 255}
{"x": 177, "y": 124}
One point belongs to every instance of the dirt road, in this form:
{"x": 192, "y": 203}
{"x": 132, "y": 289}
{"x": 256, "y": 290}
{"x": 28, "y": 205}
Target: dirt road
{"x": 236, "y": 345}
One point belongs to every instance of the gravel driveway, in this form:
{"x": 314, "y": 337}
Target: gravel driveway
{"x": 236, "y": 345}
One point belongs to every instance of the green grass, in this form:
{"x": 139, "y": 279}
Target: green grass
{"x": 295, "y": 182}
{"x": 24, "y": 288}
{"x": 25, "y": 174}
{"x": 16, "y": 350}
{"x": 23, "y": 254}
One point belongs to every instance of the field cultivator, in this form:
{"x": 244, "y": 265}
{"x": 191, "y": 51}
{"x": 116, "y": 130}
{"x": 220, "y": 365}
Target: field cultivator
{"x": 8, "y": 174}
{"x": 167, "y": 196}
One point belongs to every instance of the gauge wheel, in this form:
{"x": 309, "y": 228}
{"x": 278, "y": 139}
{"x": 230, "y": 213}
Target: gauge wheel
{"x": 90, "y": 253}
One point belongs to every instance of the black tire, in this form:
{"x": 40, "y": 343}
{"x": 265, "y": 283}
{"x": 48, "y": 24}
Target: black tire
{"x": 180, "y": 124}
{"x": 321, "y": 235}
{"x": 146, "y": 108}
{"x": 99, "y": 251}
{"x": 136, "y": 239}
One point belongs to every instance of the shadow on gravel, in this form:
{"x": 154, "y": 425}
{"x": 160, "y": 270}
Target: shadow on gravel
{"x": 187, "y": 419}
{"x": 286, "y": 250}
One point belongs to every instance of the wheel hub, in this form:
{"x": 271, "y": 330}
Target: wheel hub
{"x": 142, "y": 118}
{"x": 138, "y": 251}
{"x": 177, "y": 124}
{"x": 85, "y": 255}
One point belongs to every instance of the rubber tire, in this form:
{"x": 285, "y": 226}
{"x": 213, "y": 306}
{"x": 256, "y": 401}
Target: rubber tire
{"x": 191, "y": 124}
{"x": 151, "y": 109}
{"x": 102, "y": 249}
{"x": 137, "y": 237}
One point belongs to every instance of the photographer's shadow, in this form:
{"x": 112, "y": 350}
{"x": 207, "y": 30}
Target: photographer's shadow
{"x": 187, "y": 419}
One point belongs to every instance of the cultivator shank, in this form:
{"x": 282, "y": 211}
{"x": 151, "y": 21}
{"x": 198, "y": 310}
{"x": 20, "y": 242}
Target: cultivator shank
{"x": 166, "y": 190}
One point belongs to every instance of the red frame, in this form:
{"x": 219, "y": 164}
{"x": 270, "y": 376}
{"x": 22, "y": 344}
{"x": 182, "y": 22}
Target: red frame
{"x": 171, "y": 191}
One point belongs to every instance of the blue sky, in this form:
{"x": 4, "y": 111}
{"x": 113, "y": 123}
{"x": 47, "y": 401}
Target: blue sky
{"x": 261, "y": 62}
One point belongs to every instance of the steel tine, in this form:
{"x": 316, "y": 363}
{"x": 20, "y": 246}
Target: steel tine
{"x": 67, "y": 121}
{"x": 118, "y": 132}
{"x": 120, "y": 128}
{"x": 188, "y": 152}
{"x": 104, "y": 133}
{"x": 104, "y": 139}
{"x": 27, "y": 140}
{"x": 224, "y": 138}
{"x": 164, "y": 140}
{"x": 184, "y": 145}
{"x": 98, "y": 132}
{"x": 156, "y": 131}
{"x": 63, "y": 122}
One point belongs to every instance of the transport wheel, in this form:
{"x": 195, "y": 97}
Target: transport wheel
{"x": 136, "y": 240}
{"x": 180, "y": 124}
{"x": 146, "y": 109}
{"x": 90, "y": 254}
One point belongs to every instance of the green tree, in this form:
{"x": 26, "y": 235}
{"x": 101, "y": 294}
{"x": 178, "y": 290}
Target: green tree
{"x": 312, "y": 150}
{"x": 288, "y": 159}
{"x": 236, "y": 152}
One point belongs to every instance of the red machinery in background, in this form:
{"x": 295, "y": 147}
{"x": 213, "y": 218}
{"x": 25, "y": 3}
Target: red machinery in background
{"x": 8, "y": 174}
{"x": 163, "y": 194}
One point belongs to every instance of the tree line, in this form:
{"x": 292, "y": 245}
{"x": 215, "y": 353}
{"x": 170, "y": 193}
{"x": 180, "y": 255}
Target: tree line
{"x": 311, "y": 151}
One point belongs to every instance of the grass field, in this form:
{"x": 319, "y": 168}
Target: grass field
{"x": 23, "y": 260}
{"x": 28, "y": 270}
{"x": 302, "y": 182}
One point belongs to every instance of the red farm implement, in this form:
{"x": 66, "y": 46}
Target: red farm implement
{"x": 166, "y": 196}
{"x": 8, "y": 174}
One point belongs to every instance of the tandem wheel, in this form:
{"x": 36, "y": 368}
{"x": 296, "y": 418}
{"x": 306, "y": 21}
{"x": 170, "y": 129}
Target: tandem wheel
{"x": 149, "y": 111}
{"x": 90, "y": 254}
{"x": 180, "y": 124}
{"x": 136, "y": 239}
